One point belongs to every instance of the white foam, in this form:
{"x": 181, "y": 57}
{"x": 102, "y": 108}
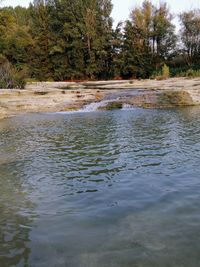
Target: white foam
{"x": 127, "y": 107}
{"x": 95, "y": 107}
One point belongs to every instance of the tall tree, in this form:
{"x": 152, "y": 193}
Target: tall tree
{"x": 7, "y": 28}
{"x": 82, "y": 31}
{"x": 15, "y": 39}
{"x": 41, "y": 35}
{"x": 190, "y": 36}
{"x": 149, "y": 39}
{"x": 163, "y": 32}
{"x": 137, "y": 57}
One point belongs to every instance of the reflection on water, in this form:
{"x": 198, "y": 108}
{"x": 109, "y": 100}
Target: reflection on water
{"x": 101, "y": 189}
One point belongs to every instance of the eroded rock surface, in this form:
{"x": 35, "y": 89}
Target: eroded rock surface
{"x": 65, "y": 96}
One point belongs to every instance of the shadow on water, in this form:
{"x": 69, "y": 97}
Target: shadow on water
{"x": 116, "y": 188}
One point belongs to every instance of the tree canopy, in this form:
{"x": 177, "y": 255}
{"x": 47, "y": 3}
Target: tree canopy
{"x": 75, "y": 40}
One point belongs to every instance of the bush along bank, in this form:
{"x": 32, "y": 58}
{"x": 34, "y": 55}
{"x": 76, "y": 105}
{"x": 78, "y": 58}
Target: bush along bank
{"x": 10, "y": 77}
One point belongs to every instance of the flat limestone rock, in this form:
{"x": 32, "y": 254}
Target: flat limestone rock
{"x": 67, "y": 96}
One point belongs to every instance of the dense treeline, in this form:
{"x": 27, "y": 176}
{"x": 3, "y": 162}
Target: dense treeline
{"x": 75, "y": 39}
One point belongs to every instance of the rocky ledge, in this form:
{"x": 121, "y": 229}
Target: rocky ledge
{"x": 66, "y": 96}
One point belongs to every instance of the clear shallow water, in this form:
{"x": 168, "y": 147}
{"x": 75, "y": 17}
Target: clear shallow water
{"x": 101, "y": 189}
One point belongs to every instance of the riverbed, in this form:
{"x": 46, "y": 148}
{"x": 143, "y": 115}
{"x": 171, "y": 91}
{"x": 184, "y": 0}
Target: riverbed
{"x": 100, "y": 189}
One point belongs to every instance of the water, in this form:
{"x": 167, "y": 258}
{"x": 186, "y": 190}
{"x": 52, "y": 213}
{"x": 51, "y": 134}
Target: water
{"x": 101, "y": 189}
{"x": 95, "y": 106}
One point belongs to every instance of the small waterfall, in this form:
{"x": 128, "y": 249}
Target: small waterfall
{"x": 127, "y": 106}
{"x": 95, "y": 106}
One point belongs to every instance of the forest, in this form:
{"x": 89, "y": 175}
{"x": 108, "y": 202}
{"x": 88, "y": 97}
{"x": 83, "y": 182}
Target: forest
{"x": 59, "y": 40}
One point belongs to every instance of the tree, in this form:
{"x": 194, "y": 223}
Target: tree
{"x": 15, "y": 39}
{"x": 116, "y": 51}
{"x": 82, "y": 32}
{"x": 39, "y": 28}
{"x": 149, "y": 40}
{"x": 137, "y": 54}
{"x": 137, "y": 57}
{"x": 163, "y": 33}
{"x": 190, "y": 36}
{"x": 7, "y": 28}
{"x": 74, "y": 39}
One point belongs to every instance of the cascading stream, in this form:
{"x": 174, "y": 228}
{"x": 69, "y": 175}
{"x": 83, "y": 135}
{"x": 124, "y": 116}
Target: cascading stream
{"x": 95, "y": 106}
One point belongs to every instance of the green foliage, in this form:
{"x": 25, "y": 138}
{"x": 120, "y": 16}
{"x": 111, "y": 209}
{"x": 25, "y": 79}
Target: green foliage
{"x": 149, "y": 40}
{"x": 156, "y": 74}
{"x": 19, "y": 78}
{"x": 190, "y": 34}
{"x": 161, "y": 74}
{"x": 74, "y": 40}
{"x": 9, "y": 76}
{"x": 190, "y": 73}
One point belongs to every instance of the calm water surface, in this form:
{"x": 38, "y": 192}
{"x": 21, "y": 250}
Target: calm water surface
{"x": 101, "y": 189}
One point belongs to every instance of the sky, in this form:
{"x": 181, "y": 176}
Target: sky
{"x": 122, "y": 8}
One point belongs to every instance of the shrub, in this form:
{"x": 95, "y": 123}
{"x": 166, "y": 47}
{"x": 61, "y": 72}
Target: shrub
{"x": 192, "y": 73}
{"x": 189, "y": 73}
{"x": 9, "y": 76}
{"x": 19, "y": 79}
{"x": 5, "y": 73}
{"x": 162, "y": 74}
{"x": 165, "y": 72}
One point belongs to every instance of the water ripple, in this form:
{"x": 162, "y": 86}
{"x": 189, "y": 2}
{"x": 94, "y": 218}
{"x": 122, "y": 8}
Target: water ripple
{"x": 100, "y": 189}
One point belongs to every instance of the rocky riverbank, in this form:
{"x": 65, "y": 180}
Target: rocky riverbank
{"x": 66, "y": 96}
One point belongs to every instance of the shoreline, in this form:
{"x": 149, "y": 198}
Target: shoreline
{"x": 41, "y": 97}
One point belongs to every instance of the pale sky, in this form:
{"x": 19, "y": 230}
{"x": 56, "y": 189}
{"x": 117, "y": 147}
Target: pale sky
{"x": 122, "y": 8}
